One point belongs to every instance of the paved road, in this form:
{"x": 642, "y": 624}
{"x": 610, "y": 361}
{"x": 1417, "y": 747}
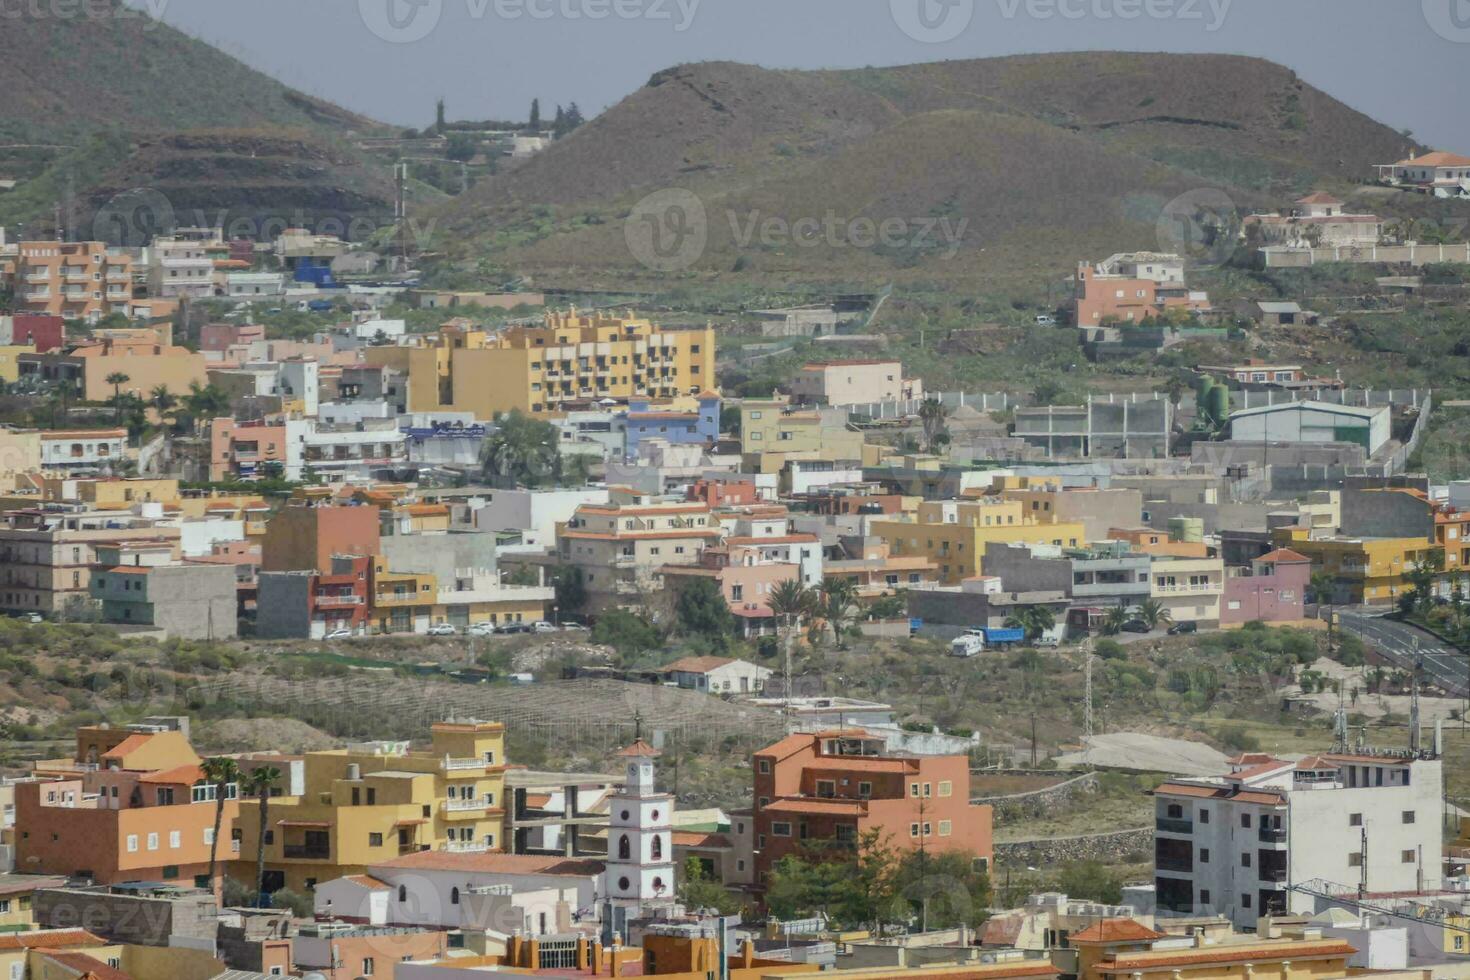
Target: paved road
{"x": 1444, "y": 665}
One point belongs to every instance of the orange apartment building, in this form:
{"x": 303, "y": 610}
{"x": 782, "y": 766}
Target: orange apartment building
{"x": 241, "y": 450}
{"x": 131, "y": 805}
{"x": 1104, "y": 298}
{"x": 74, "y": 280}
{"x": 834, "y": 787}
{"x": 303, "y": 537}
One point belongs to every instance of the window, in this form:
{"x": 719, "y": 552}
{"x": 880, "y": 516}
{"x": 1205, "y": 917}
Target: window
{"x": 945, "y": 828}
{"x": 1204, "y": 816}
{"x": 914, "y": 790}
{"x": 403, "y": 893}
{"x": 1407, "y": 857}
{"x": 1355, "y": 859}
{"x": 132, "y": 843}
{"x": 153, "y": 842}
{"x": 763, "y": 766}
{"x": 1204, "y": 896}
{"x": 913, "y": 830}
{"x": 1245, "y": 859}
{"x": 1245, "y": 820}
{"x": 375, "y": 840}
{"x": 454, "y": 895}
{"x": 946, "y": 788}
{"x": 1409, "y": 816}
{"x": 209, "y": 836}
{"x": 1245, "y": 901}
{"x": 1355, "y": 820}
{"x": 367, "y": 966}
{"x": 781, "y": 829}
{"x": 173, "y": 838}
{"x": 1204, "y": 855}
{"x": 865, "y": 790}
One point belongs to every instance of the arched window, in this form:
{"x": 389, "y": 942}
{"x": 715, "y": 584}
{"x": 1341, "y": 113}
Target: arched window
{"x": 403, "y": 893}
{"x": 454, "y": 895}
{"x": 658, "y": 847}
{"x": 624, "y": 849}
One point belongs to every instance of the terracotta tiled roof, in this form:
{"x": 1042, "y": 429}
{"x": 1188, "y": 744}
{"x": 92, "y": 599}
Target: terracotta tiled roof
{"x": 1320, "y": 197}
{"x": 1283, "y": 555}
{"x": 836, "y": 808}
{"x": 130, "y": 744}
{"x": 640, "y": 750}
{"x": 696, "y": 665}
{"x": 367, "y": 881}
{"x": 1117, "y": 931}
{"x": 494, "y": 863}
{"x": 188, "y": 775}
{"x": 50, "y": 939}
{"x": 1438, "y": 158}
{"x": 698, "y": 838}
{"x": 87, "y": 967}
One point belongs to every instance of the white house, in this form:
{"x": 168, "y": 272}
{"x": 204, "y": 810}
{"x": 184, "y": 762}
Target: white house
{"x": 1233, "y": 844}
{"x": 718, "y": 675}
{"x": 533, "y": 512}
{"x": 1439, "y": 173}
{"x": 456, "y": 890}
{"x": 1310, "y": 421}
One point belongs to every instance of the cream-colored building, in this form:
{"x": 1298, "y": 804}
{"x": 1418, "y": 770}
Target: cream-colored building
{"x": 772, "y": 433}
{"x": 854, "y": 382}
{"x": 1189, "y": 588}
{"x": 20, "y": 453}
{"x": 622, "y": 546}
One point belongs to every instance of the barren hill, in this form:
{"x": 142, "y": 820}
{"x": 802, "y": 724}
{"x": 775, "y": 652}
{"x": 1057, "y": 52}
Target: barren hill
{"x": 1047, "y": 158}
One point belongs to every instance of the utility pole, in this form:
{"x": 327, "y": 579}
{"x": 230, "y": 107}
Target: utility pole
{"x": 786, "y": 707}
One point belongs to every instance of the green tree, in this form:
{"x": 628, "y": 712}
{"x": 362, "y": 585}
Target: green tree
{"x": 300, "y": 906}
{"x": 944, "y": 889}
{"x": 701, "y": 610}
{"x": 462, "y": 148}
{"x": 570, "y": 586}
{"x": 932, "y": 414}
{"x": 260, "y": 783}
{"x": 626, "y": 632}
{"x": 1154, "y": 613}
{"x": 162, "y": 399}
{"x": 535, "y": 121}
{"x": 790, "y": 602}
{"x": 1114, "y": 620}
{"x": 1423, "y": 574}
{"x": 221, "y": 773}
{"x": 838, "y": 606}
{"x": 1035, "y": 620}
{"x": 699, "y": 891}
{"x": 522, "y": 451}
{"x": 870, "y": 897}
{"x": 1091, "y": 881}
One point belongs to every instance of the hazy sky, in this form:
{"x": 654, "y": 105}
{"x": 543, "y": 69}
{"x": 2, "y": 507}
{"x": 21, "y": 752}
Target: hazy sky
{"x": 1405, "y": 62}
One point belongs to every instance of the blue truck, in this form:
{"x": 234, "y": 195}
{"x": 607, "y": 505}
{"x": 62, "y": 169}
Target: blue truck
{"x": 972, "y": 642}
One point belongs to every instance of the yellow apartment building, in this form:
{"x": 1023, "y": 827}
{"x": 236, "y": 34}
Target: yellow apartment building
{"x": 75, "y": 280}
{"x": 1189, "y": 588}
{"x": 374, "y": 801}
{"x": 570, "y": 358}
{"x": 1371, "y": 571}
{"x": 957, "y": 547}
{"x": 10, "y": 360}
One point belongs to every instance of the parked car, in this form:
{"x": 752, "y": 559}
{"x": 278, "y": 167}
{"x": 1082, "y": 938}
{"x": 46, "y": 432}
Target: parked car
{"x": 480, "y": 629}
{"x": 506, "y": 629}
{"x": 34, "y": 617}
{"x": 1179, "y": 628}
{"x": 441, "y": 629}
{"x": 542, "y": 626}
{"x": 1045, "y": 320}
{"x": 340, "y": 633}
{"x": 574, "y": 627}
{"x": 1136, "y": 626}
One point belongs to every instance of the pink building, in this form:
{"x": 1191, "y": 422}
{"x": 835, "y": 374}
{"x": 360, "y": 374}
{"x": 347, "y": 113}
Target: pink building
{"x": 240, "y": 450}
{"x": 744, "y": 578}
{"x": 1104, "y": 298}
{"x": 1272, "y": 590}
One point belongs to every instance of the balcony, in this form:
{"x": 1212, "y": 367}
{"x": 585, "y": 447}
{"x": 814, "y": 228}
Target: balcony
{"x": 1275, "y": 875}
{"x": 462, "y": 765}
{"x": 1174, "y": 825}
{"x": 1177, "y": 865}
{"x": 1268, "y": 835}
{"x": 310, "y": 852}
{"x": 465, "y": 806}
{"x": 36, "y": 295}
{"x": 465, "y": 847}
{"x": 338, "y": 601}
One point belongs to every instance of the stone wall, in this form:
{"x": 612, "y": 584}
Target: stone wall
{"x": 1049, "y": 851}
{"x": 1012, "y": 807}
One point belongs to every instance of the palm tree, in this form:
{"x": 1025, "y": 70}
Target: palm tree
{"x": 261, "y": 781}
{"x": 1154, "y": 613}
{"x": 221, "y": 773}
{"x": 790, "y": 602}
{"x": 838, "y": 596}
{"x": 522, "y": 450}
{"x": 117, "y": 379}
{"x": 162, "y": 398}
{"x": 932, "y": 414}
{"x": 1113, "y": 622}
{"x": 1035, "y": 620}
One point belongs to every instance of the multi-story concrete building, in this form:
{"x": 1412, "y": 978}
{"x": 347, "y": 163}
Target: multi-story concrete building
{"x": 147, "y": 359}
{"x": 246, "y": 450}
{"x": 74, "y": 280}
{"x": 1133, "y": 288}
{"x": 145, "y": 584}
{"x": 374, "y": 801}
{"x": 1189, "y": 589}
{"x": 571, "y": 360}
{"x": 1271, "y": 589}
{"x": 1106, "y": 574}
{"x": 623, "y": 546}
{"x": 1365, "y": 570}
{"x": 304, "y": 535}
{"x": 854, "y": 382}
{"x": 771, "y": 432}
{"x": 313, "y": 604}
{"x": 1112, "y": 427}
{"x": 132, "y": 804}
{"x": 701, "y": 427}
{"x": 179, "y": 267}
{"x": 1234, "y": 844}
{"x": 47, "y": 558}
{"x": 836, "y": 786}
{"x": 953, "y": 535}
